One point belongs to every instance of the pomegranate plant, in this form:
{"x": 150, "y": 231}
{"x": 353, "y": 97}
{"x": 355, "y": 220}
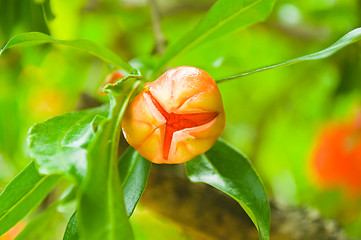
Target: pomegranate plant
{"x": 173, "y": 116}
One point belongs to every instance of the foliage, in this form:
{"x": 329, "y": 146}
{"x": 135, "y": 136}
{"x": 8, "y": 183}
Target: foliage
{"x": 22, "y": 194}
{"x": 82, "y": 147}
{"x": 229, "y": 171}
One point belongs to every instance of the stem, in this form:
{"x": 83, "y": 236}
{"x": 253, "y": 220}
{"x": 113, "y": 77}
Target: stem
{"x": 350, "y": 38}
{"x": 244, "y": 74}
{"x": 118, "y": 113}
{"x": 157, "y": 30}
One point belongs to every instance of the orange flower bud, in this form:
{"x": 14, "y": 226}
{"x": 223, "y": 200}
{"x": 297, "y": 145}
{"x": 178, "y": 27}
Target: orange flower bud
{"x": 175, "y": 118}
{"x": 111, "y": 78}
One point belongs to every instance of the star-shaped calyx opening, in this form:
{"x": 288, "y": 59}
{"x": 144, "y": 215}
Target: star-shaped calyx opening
{"x": 176, "y": 122}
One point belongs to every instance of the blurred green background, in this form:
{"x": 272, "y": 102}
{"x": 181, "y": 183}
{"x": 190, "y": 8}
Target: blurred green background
{"x": 273, "y": 117}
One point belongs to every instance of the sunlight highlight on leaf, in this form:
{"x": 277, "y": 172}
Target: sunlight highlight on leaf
{"x": 36, "y": 38}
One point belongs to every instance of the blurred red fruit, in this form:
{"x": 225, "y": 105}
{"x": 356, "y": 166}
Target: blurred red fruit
{"x": 336, "y": 160}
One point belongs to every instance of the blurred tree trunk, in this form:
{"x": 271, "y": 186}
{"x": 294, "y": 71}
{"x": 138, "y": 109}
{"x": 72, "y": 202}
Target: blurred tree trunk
{"x": 205, "y": 213}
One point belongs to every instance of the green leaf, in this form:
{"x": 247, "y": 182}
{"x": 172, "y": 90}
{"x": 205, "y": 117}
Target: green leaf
{"x": 35, "y": 38}
{"x": 38, "y": 225}
{"x": 225, "y": 16}
{"x": 133, "y": 171}
{"x": 59, "y": 145}
{"x": 349, "y": 38}
{"x": 228, "y": 170}
{"x": 22, "y": 194}
{"x": 71, "y": 231}
{"x": 101, "y": 208}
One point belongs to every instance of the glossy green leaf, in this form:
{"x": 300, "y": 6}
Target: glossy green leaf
{"x": 349, "y": 38}
{"x": 101, "y": 208}
{"x": 71, "y": 231}
{"x": 228, "y": 170}
{"x": 38, "y": 227}
{"x": 225, "y": 16}
{"x": 35, "y": 38}
{"x": 35, "y": 229}
{"x": 133, "y": 171}
{"x": 59, "y": 145}
{"x": 22, "y": 194}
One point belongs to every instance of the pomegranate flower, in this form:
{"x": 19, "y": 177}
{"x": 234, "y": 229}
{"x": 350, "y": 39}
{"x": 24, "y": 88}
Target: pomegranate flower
{"x": 175, "y": 118}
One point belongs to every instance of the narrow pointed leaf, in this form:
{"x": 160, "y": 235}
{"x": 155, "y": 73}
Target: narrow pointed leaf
{"x": 59, "y": 145}
{"x": 225, "y": 16}
{"x": 133, "y": 172}
{"x": 228, "y": 170}
{"x": 22, "y": 194}
{"x": 101, "y": 208}
{"x": 71, "y": 231}
{"x": 36, "y": 38}
{"x": 349, "y": 38}
{"x": 38, "y": 225}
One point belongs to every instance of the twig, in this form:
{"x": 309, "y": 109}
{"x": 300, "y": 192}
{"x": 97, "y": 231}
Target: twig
{"x": 157, "y": 30}
{"x": 204, "y": 213}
